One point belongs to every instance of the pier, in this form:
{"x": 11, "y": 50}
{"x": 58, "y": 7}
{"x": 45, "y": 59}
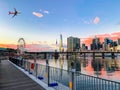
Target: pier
{"x": 12, "y": 78}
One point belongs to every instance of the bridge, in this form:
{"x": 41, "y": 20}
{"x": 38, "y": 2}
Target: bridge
{"x": 102, "y": 53}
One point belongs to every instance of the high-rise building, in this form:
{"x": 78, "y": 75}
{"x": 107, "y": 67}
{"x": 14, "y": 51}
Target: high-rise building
{"x": 73, "y": 44}
{"x": 61, "y": 49}
{"x": 84, "y": 47}
{"x": 118, "y": 41}
{"x": 108, "y": 43}
{"x": 96, "y": 45}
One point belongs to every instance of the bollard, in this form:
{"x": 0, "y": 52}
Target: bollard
{"x": 72, "y": 82}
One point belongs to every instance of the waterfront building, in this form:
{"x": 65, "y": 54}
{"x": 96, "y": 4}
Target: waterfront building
{"x": 61, "y": 49}
{"x": 113, "y": 46}
{"x": 107, "y": 42}
{"x": 91, "y": 46}
{"x": 102, "y": 46}
{"x": 118, "y": 41}
{"x": 110, "y": 45}
{"x": 73, "y": 44}
{"x": 96, "y": 45}
{"x": 84, "y": 47}
{"x": 118, "y": 48}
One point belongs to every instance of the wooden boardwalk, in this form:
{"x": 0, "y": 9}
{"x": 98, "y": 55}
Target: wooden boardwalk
{"x": 12, "y": 78}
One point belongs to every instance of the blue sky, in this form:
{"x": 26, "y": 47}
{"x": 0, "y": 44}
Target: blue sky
{"x": 44, "y": 20}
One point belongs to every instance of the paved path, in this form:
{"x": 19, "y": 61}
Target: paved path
{"x": 12, "y": 78}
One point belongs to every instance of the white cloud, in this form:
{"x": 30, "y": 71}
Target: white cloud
{"x": 38, "y": 14}
{"x": 46, "y": 12}
{"x": 86, "y": 21}
{"x": 96, "y": 20}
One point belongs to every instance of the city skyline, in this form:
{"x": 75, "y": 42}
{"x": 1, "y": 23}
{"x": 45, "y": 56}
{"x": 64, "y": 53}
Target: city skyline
{"x": 42, "y": 21}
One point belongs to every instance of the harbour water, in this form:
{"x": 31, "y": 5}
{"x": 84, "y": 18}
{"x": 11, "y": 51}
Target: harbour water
{"x": 104, "y": 68}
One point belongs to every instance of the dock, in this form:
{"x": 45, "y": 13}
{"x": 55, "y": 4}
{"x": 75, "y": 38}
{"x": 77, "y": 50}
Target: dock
{"x": 11, "y": 78}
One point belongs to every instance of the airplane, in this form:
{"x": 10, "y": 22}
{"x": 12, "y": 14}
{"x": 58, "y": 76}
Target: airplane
{"x": 14, "y": 13}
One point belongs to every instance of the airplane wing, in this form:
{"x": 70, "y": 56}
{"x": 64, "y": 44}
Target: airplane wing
{"x": 14, "y": 15}
{"x": 15, "y": 9}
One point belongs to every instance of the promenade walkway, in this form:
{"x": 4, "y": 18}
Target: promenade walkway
{"x": 12, "y": 78}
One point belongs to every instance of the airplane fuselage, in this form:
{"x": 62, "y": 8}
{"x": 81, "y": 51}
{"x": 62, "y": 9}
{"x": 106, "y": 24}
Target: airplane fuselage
{"x": 14, "y": 13}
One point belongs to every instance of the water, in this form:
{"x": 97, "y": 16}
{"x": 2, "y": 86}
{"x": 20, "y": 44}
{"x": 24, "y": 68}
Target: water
{"x": 104, "y": 68}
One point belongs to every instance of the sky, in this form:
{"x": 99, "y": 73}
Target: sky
{"x": 42, "y": 21}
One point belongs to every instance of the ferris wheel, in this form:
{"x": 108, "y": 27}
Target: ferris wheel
{"x": 21, "y": 45}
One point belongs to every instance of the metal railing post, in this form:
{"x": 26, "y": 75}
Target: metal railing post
{"x": 35, "y": 64}
{"x": 48, "y": 74}
{"x": 26, "y": 64}
{"x": 72, "y": 83}
{"x": 23, "y": 63}
{"x": 48, "y": 69}
{"x": 28, "y": 67}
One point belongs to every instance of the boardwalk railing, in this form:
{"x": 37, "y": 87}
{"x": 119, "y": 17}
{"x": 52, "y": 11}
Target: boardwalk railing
{"x": 61, "y": 79}
{"x": 86, "y": 82}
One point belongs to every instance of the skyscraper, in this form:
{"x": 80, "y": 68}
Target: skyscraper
{"x": 118, "y": 41}
{"x": 84, "y": 47}
{"x": 61, "y": 49}
{"x": 108, "y": 43}
{"x": 96, "y": 45}
{"x": 73, "y": 44}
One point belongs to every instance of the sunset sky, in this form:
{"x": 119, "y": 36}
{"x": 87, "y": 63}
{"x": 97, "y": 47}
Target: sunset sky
{"x": 42, "y": 21}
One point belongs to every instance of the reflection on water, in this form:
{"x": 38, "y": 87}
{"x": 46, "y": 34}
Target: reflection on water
{"x": 105, "y": 68}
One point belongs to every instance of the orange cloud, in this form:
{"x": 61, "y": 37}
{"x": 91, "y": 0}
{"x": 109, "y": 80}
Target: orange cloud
{"x": 29, "y": 47}
{"x": 113, "y": 36}
{"x": 8, "y": 46}
{"x": 39, "y": 47}
{"x": 96, "y": 20}
{"x": 117, "y": 33}
{"x": 38, "y": 14}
